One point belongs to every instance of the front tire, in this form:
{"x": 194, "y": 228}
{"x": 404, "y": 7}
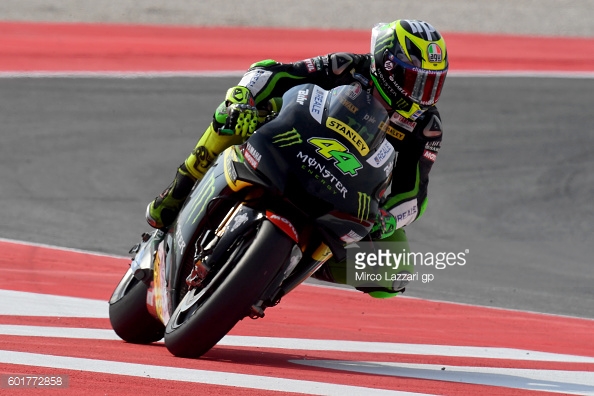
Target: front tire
{"x": 205, "y": 316}
{"x": 130, "y": 318}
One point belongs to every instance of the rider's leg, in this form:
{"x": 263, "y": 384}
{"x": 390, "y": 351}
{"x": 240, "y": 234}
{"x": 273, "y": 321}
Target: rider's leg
{"x": 335, "y": 272}
{"x": 163, "y": 210}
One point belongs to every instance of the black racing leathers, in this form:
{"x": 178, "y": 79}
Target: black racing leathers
{"x": 417, "y": 142}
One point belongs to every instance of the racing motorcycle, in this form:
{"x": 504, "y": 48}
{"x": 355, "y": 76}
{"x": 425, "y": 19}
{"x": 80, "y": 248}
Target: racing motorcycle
{"x": 263, "y": 219}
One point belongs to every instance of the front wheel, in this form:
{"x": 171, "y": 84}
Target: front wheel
{"x": 206, "y": 315}
{"x": 129, "y": 316}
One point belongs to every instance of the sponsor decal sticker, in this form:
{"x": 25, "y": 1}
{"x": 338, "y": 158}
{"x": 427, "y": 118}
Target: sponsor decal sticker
{"x": 369, "y": 118}
{"x": 350, "y": 107}
{"x": 405, "y": 213}
{"x": 349, "y": 133}
{"x": 431, "y": 156}
{"x": 364, "y": 205}
{"x": 287, "y": 139}
{"x": 333, "y": 150}
{"x": 434, "y": 52}
{"x": 403, "y": 122}
{"x": 395, "y": 133}
{"x": 323, "y": 175}
{"x": 302, "y": 96}
{"x": 382, "y": 154}
{"x": 238, "y": 221}
{"x": 316, "y": 106}
{"x": 351, "y": 237}
{"x": 284, "y": 224}
{"x": 310, "y": 65}
{"x": 255, "y": 80}
{"x": 252, "y": 156}
{"x": 355, "y": 91}
{"x": 433, "y": 146}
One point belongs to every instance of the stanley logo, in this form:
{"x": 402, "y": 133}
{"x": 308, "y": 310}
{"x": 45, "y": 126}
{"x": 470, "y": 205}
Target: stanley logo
{"x": 391, "y": 131}
{"x": 287, "y": 139}
{"x": 349, "y": 133}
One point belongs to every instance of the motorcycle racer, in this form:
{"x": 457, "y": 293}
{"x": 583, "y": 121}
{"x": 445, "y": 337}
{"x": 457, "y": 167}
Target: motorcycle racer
{"x": 405, "y": 71}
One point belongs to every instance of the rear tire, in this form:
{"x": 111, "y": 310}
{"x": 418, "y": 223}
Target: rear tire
{"x": 130, "y": 318}
{"x": 202, "y": 318}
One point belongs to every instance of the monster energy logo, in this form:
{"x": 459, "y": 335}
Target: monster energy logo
{"x": 205, "y": 192}
{"x": 387, "y": 41}
{"x": 288, "y": 138}
{"x": 364, "y": 204}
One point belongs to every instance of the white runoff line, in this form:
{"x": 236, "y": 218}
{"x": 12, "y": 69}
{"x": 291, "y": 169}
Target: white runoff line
{"x": 521, "y": 73}
{"x": 120, "y": 74}
{"x": 239, "y": 73}
{"x": 556, "y": 381}
{"x": 17, "y": 303}
{"x": 302, "y": 344}
{"x": 192, "y": 375}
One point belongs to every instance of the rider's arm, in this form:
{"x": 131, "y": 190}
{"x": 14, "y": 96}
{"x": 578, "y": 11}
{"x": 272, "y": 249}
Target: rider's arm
{"x": 408, "y": 198}
{"x": 270, "y": 79}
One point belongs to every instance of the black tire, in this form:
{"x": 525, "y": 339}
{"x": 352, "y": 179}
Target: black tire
{"x": 196, "y": 327}
{"x": 130, "y": 318}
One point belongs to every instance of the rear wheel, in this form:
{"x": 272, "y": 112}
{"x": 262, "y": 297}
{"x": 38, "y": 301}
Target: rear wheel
{"x": 129, "y": 316}
{"x": 206, "y": 315}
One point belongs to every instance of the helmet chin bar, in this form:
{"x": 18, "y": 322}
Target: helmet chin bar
{"x": 414, "y": 112}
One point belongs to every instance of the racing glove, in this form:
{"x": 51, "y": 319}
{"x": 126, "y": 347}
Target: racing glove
{"x": 237, "y": 114}
{"x": 242, "y": 120}
{"x": 384, "y": 227}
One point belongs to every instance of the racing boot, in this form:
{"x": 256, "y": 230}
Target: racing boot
{"x": 161, "y": 212}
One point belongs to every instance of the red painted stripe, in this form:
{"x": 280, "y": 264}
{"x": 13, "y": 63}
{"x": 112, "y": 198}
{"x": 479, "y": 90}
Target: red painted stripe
{"x": 98, "y": 47}
{"x": 59, "y": 272}
{"x": 310, "y": 312}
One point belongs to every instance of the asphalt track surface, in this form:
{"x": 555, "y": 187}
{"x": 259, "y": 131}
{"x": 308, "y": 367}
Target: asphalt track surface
{"x": 513, "y": 183}
{"x": 81, "y": 157}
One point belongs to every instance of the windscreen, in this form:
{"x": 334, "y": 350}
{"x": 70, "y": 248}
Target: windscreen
{"x": 357, "y": 115}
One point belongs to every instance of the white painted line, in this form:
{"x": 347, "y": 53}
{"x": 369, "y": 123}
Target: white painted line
{"x": 301, "y": 344}
{"x": 119, "y": 74}
{"x": 239, "y": 73}
{"x": 521, "y": 73}
{"x": 401, "y": 348}
{"x": 58, "y": 332}
{"x": 32, "y": 304}
{"x": 192, "y": 375}
{"x": 557, "y": 381}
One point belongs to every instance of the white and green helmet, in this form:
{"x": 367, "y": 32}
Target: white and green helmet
{"x": 409, "y": 65}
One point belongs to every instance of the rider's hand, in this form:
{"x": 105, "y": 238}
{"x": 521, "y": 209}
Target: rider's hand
{"x": 384, "y": 227}
{"x": 242, "y": 120}
{"x": 231, "y": 119}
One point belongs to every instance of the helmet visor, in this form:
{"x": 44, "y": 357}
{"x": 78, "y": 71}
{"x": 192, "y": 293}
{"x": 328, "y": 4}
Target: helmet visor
{"x": 422, "y": 86}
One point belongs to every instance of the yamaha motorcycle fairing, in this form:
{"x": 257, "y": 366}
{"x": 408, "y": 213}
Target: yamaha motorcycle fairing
{"x": 264, "y": 218}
